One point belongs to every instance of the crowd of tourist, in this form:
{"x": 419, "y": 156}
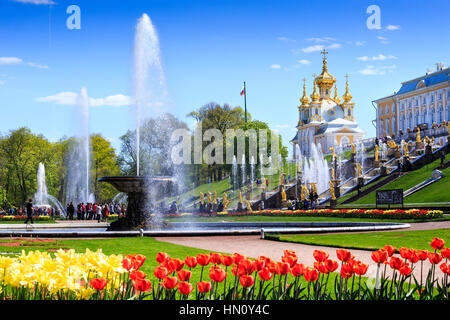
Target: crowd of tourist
{"x": 94, "y": 211}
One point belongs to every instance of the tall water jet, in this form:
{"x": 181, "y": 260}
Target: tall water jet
{"x": 148, "y": 78}
{"x": 261, "y": 166}
{"x": 243, "y": 171}
{"x": 234, "y": 173}
{"x": 316, "y": 170}
{"x": 252, "y": 170}
{"x": 40, "y": 197}
{"x": 78, "y": 189}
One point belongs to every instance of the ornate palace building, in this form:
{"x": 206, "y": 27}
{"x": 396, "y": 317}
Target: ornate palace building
{"x": 422, "y": 102}
{"x": 325, "y": 119}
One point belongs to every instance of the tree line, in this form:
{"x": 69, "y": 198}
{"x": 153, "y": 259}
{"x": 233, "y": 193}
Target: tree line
{"x": 21, "y": 151}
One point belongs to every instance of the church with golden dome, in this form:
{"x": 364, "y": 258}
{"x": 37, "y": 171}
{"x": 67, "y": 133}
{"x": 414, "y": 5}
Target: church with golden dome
{"x": 325, "y": 119}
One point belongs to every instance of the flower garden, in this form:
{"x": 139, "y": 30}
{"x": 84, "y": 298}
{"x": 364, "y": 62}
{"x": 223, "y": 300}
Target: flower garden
{"x": 339, "y": 213}
{"x": 67, "y": 275}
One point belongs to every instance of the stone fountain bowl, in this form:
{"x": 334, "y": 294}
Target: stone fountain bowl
{"x": 142, "y": 191}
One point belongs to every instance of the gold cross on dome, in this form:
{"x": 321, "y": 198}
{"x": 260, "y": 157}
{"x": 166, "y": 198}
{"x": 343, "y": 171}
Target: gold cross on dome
{"x": 346, "y": 76}
{"x": 304, "y": 80}
{"x": 324, "y": 52}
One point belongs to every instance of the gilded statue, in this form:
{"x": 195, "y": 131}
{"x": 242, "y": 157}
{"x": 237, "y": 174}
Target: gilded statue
{"x": 215, "y": 197}
{"x": 418, "y": 135}
{"x": 209, "y": 197}
{"x": 333, "y": 154}
{"x": 249, "y": 206}
{"x": 225, "y": 201}
{"x": 376, "y": 153}
{"x": 333, "y": 195}
{"x": 240, "y": 196}
{"x": 332, "y": 174}
{"x": 283, "y": 194}
{"x": 202, "y": 197}
{"x": 353, "y": 148}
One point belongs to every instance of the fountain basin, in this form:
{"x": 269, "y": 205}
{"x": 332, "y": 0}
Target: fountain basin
{"x": 142, "y": 191}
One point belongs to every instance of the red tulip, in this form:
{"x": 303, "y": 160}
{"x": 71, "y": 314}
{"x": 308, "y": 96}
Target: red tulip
{"x": 204, "y": 287}
{"x": 290, "y": 260}
{"x": 283, "y": 268}
{"x": 258, "y": 264}
{"x": 217, "y": 274}
{"x": 298, "y": 270}
{"x": 434, "y": 258}
{"x": 437, "y": 243}
{"x": 136, "y": 274}
{"x": 405, "y": 270}
{"x": 331, "y": 265}
{"x": 161, "y": 272}
{"x": 184, "y": 275}
{"x": 246, "y": 265}
{"x": 396, "y": 263}
{"x": 203, "y": 259}
{"x": 405, "y": 253}
{"x": 320, "y": 255}
{"x": 360, "y": 268}
{"x": 185, "y": 288}
{"x": 289, "y": 253}
{"x": 423, "y": 254}
{"x": 175, "y": 264}
{"x": 238, "y": 258}
{"x": 265, "y": 274}
{"x": 99, "y": 283}
{"x": 343, "y": 255}
{"x": 138, "y": 261}
{"x": 170, "y": 282}
{"x": 311, "y": 274}
{"x": 161, "y": 257}
{"x": 127, "y": 264}
{"x": 390, "y": 250}
{"x": 346, "y": 271}
{"x": 246, "y": 281}
{"x": 191, "y": 262}
{"x": 227, "y": 260}
{"x": 215, "y": 258}
{"x": 445, "y": 252}
{"x": 142, "y": 285}
{"x": 445, "y": 268}
{"x": 321, "y": 267}
{"x": 235, "y": 268}
{"x": 380, "y": 256}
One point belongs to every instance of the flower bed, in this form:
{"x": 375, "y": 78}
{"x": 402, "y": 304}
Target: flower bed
{"x": 340, "y": 213}
{"x": 94, "y": 275}
{"x": 23, "y": 218}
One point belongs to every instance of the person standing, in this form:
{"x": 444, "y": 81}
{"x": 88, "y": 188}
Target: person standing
{"x": 29, "y": 211}
{"x": 71, "y": 211}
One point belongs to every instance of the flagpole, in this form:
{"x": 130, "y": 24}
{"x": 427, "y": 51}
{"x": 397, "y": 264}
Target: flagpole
{"x": 245, "y": 102}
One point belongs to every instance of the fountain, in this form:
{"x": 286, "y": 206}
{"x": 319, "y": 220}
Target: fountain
{"x": 243, "y": 171}
{"x": 316, "y": 170}
{"x": 41, "y": 197}
{"x": 234, "y": 173}
{"x": 142, "y": 191}
{"x": 252, "y": 171}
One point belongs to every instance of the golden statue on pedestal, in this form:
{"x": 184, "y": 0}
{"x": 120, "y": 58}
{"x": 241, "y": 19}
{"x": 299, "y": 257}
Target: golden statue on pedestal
{"x": 240, "y": 196}
{"x": 209, "y": 197}
{"x": 405, "y": 150}
{"x": 225, "y": 201}
{"x": 353, "y": 148}
{"x": 202, "y": 197}
{"x": 283, "y": 194}
{"x": 418, "y": 140}
{"x": 332, "y": 174}
{"x": 358, "y": 170}
{"x": 376, "y": 153}
{"x": 333, "y": 195}
{"x": 249, "y": 206}
{"x": 333, "y": 154}
{"x": 215, "y": 197}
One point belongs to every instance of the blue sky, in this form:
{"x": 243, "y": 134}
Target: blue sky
{"x": 208, "y": 49}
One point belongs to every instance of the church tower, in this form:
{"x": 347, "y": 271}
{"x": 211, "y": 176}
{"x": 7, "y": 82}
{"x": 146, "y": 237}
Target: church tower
{"x": 348, "y": 105}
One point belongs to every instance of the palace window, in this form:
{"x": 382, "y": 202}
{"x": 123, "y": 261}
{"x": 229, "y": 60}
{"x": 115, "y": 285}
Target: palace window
{"x": 416, "y": 119}
{"x": 402, "y": 106}
{"x": 440, "y": 96}
{"x": 394, "y": 124}
{"x": 441, "y": 115}
{"x": 432, "y": 98}
{"x": 410, "y": 121}
{"x": 424, "y": 100}
{"x": 432, "y": 116}
{"x": 409, "y": 105}
{"x": 416, "y": 102}
{"x": 401, "y": 123}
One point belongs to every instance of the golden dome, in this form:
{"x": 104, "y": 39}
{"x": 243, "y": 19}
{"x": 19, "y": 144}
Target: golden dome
{"x": 347, "y": 96}
{"x": 315, "y": 95}
{"x": 304, "y": 100}
{"x": 325, "y": 80}
{"x": 336, "y": 98}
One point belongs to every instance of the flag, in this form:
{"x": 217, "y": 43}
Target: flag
{"x": 243, "y": 91}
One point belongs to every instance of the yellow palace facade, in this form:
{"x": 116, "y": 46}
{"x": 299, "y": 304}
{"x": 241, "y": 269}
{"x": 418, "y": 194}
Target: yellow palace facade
{"x": 422, "y": 102}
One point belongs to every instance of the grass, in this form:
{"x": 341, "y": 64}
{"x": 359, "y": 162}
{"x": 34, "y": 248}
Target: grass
{"x": 293, "y": 219}
{"x": 23, "y": 221}
{"x": 418, "y": 239}
{"x": 427, "y": 195}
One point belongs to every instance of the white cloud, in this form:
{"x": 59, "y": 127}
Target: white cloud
{"x": 372, "y": 70}
{"x": 2, "y": 83}
{"x": 379, "y": 57}
{"x": 392, "y": 27}
{"x": 37, "y": 65}
{"x": 318, "y": 47}
{"x": 44, "y": 2}
{"x": 275, "y": 66}
{"x": 323, "y": 39}
{"x": 314, "y": 48}
{"x": 383, "y": 40}
{"x": 285, "y": 39}
{"x": 359, "y": 43}
{"x": 304, "y": 61}
{"x": 10, "y": 60}
{"x": 70, "y": 98}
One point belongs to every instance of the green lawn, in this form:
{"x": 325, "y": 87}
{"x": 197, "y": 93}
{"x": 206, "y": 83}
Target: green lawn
{"x": 427, "y": 195}
{"x": 257, "y": 218}
{"x": 371, "y": 241}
